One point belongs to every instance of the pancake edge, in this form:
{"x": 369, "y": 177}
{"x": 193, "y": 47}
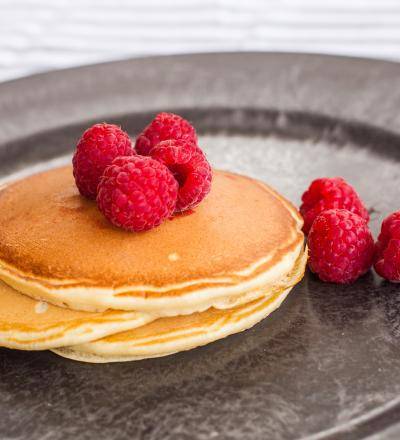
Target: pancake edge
{"x": 195, "y": 301}
{"x": 85, "y": 332}
{"x": 203, "y": 293}
{"x": 87, "y": 354}
{"x": 81, "y": 333}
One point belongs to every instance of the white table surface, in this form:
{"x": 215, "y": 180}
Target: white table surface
{"x": 40, "y": 35}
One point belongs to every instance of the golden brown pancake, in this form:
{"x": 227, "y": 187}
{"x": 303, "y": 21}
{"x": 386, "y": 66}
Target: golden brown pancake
{"x": 28, "y": 324}
{"x": 167, "y": 336}
{"x": 56, "y": 245}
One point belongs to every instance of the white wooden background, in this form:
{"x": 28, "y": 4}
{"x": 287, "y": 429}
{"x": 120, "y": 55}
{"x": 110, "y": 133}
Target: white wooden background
{"x": 39, "y": 35}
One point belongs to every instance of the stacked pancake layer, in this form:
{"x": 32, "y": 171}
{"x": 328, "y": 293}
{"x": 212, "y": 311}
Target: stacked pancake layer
{"x": 69, "y": 279}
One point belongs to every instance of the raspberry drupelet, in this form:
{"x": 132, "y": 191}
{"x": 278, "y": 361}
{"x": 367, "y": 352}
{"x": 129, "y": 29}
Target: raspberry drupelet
{"x": 96, "y": 149}
{"x": 137, "y": 193}
{"x": 330, "y": 193}
{"x": 387, "y": 249}
{"x": 190, "y": 168}
{"x": 341, "y": 246}
{"x": 165, "y": 126}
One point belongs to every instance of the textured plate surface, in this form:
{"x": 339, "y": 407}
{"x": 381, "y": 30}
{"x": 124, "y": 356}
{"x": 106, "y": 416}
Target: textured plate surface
{"x": 325, "y": 365}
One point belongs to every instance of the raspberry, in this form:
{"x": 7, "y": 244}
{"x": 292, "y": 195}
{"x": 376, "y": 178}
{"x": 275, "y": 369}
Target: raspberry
{"x": 137, "y": 193}
{"x": 97, "y": 148}
{"x": 341, "y": 247}
{"x": 190, "y": 168}
{"x": 165, "y": 126}
{"x": 330, "y": 193}
{"x": 387, "y": 249}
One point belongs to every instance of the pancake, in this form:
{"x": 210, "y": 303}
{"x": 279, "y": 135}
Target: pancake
{"x": 169, "y": 335}
{"x": 240, "y": 242}
{"x": 27, "y": 324}
{"x": 166, "y": 336}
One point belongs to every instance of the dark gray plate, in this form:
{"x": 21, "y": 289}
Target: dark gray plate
{"x": 326, "y": 364}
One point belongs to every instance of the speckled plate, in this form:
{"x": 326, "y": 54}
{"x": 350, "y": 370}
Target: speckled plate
{"x": 326, "y": 364}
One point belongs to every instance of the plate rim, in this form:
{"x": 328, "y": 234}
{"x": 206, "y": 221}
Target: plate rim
{"x": 279, "y": 80}
{"x": 376, "y": 108}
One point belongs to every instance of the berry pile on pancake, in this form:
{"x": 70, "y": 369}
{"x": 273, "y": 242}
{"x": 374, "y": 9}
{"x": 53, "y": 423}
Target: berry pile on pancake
{"x": 141, "y": 252}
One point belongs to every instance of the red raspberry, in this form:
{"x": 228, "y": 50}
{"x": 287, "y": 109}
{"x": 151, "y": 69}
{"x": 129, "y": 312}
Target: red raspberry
{"x": 137, "y": 193}
{"x": 330, "y": 193}
{"x": 387, "y": 249}
{"x": 97, "y": 148}
{"x": 341, "y": 247}
{"x": 190, "y": 168}
{"x": 165, "y": 126}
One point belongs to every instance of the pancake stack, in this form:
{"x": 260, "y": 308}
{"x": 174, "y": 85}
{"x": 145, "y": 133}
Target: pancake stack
{"x": 72, "y": 283}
